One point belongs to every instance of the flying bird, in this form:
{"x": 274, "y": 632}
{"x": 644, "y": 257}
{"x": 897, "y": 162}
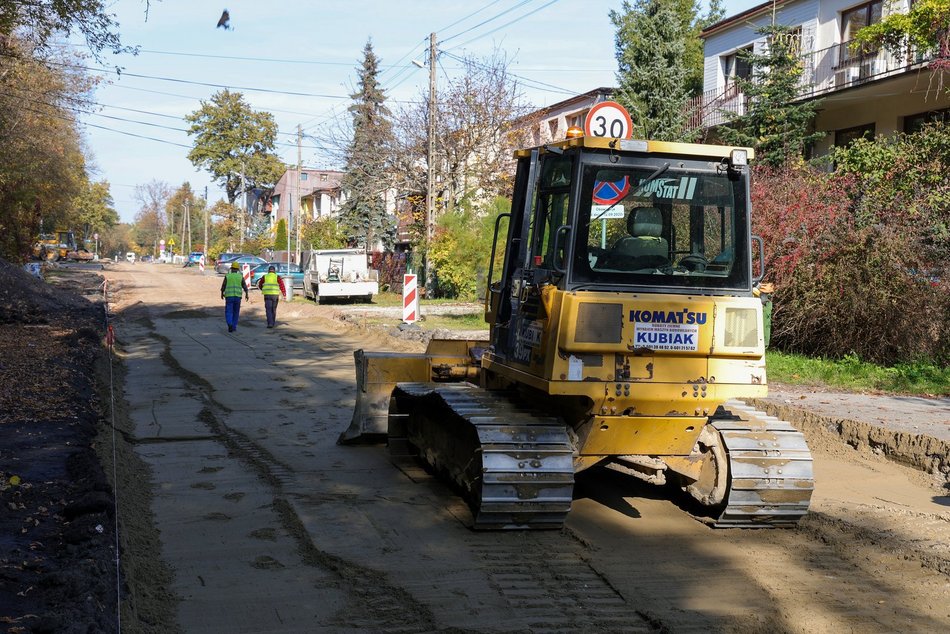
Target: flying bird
{"x": 225, "y": 20}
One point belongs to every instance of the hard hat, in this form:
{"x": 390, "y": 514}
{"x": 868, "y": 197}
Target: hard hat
{"x": 234, "y": 266}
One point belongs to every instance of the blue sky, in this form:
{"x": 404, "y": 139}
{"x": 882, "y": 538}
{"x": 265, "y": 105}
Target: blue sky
{"x": 556, "y": 47}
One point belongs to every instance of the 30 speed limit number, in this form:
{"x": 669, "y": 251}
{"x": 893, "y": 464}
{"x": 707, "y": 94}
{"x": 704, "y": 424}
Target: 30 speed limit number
{"x": 608, "y": 119}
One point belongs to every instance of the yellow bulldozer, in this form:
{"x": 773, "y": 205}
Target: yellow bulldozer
{"x": 625, "y": 325}
{"x": 60, "y": 245}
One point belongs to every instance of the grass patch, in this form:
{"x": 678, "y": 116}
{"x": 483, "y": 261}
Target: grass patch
{"x": 395, "y": 299}
{"x": 851, "y": 373}
{"x": 432, "y": 322}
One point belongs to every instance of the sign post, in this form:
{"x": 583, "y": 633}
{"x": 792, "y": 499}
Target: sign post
{"x": 410, "y": 299}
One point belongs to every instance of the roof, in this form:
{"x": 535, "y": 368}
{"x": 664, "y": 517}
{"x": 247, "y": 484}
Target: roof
{"x": 637, "y": 145}
{"x": 604, "y": 91}
{"x": 755, "y": 11}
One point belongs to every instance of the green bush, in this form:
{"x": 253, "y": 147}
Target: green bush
{"x": 859, "y": 255}
{"x": 461, "y": 248}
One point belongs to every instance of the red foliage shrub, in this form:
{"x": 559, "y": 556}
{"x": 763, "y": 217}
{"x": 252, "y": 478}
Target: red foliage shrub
{"x": 855, "y": 268}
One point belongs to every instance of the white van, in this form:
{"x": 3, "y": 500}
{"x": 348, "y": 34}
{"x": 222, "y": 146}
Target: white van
{"x": 130, "y": 256}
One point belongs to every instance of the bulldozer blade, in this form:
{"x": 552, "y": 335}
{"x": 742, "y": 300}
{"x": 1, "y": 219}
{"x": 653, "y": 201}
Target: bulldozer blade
{"x": 377, "y": 373}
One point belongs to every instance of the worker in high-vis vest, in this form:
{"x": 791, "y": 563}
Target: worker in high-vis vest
{"x": 272, "y": 287}
{"x": 231, "y": 289}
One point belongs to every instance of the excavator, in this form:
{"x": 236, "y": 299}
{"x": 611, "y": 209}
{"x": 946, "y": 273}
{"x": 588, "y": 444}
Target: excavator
{"x": 625, "y": 328}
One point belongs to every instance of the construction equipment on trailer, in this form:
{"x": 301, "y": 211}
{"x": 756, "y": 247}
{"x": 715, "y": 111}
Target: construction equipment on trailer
{"x": 624, "y": 327}
{"x": 338, "y": 273}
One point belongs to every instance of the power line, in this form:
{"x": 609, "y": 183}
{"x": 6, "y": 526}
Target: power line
{"x": 505, "y": 25}
{"x": 491, "y": 19}
{"x": 476, "y": 12}
{"x": 139, "y": 136}
{"x": 248, "y": 59}
{"x": 538, "y": 85}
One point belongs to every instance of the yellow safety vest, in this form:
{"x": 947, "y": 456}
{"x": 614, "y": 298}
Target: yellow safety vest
{"x": 270, "y": 286}
{"x": 233, "y": 284}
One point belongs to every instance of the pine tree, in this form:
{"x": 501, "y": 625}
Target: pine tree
{"x": 363, "y": 213}
{"x": 660, "y": 61}
{"x": 775, "y": 124}
{"x": 280, "y": 235}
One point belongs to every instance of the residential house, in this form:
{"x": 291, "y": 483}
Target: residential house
{"x": 863, "y": 92}
{"x": 317, "y": 193}
{"x": 551, "y": 123}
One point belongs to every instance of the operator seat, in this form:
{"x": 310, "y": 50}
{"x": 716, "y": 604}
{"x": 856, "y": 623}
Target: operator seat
{"x": 644, "y": 247}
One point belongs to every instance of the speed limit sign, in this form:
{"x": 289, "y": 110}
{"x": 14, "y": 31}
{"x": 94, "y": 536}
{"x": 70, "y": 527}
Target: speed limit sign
{"x": 608, "y": 119}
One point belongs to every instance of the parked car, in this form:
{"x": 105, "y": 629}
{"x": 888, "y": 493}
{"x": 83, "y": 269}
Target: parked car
{"x": 195, "y": 256}
{"x": 227, "y": 257}
{"x": 296, "y": 275}
{"x": 252, "y": 260}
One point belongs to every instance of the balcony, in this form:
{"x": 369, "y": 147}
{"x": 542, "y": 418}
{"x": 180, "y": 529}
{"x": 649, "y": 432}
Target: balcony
{"x": 824, "y": 71}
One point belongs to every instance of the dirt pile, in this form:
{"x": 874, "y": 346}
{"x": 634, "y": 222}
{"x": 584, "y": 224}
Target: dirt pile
{"x": 57, "y": 527}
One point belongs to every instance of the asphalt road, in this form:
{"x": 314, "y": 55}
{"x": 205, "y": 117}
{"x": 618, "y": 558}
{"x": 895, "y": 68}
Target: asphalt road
{"x": 268, "y": 525}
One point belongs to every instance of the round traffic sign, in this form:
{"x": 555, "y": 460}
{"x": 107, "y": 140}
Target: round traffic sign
{"x": 608, "y": 193}
{"x": 608, "y": 119}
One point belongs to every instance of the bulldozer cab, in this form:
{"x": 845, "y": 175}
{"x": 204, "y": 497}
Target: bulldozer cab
{"x": 611, "y": 215}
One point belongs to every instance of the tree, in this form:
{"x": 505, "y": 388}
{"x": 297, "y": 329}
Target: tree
{"x": 660, "y": 61}
{"x": 41, "y": 20}
{"x": 926, "y": 27}
{"x": 94, "y": 208}
{"x": 460, "y": 252}
{"x": 367, "y": 177}
{"x": 235, "y": 144}
{"x": 184, "y": 217}
{"x": 280, "y": 237}
{"x": 150, "y": 221}
{"x": 778, "y": 126}
{"x": 42, "y": 168}
{"x": 323, "y": 233}
{"x": 225, "y": 231}
{"x": 474, "y": 140}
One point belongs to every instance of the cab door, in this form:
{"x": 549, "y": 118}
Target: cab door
{"x": 537, "y": 240}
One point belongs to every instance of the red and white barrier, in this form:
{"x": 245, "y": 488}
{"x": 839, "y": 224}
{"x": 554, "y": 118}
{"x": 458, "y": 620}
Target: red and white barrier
{"x": 246, "y": 272}
{"x": 410, "y": 299}
{"x": 201, "y": 264}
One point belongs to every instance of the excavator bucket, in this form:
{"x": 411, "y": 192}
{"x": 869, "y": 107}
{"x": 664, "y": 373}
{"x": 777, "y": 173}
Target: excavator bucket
{"x": 377, "y": 373}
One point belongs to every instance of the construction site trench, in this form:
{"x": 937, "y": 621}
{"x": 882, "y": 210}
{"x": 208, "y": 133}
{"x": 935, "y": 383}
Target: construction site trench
{"x": 238, "y": 512}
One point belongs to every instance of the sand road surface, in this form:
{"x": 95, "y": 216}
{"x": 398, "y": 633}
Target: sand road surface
{"x": 240, "y": 513}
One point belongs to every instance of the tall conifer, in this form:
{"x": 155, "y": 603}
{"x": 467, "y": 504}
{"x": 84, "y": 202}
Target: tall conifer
{"x": 366, "y": 179}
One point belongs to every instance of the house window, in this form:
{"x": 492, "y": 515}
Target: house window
{"x": 915, "y": 122}
{"x": 552, "y": 128}
{"x": 323, "y": 178}
{"x": 844, "y": 137}
{"x": 737, "y": 65}
{"x": 852, "y": 21}
{"x": 303, "y": 176}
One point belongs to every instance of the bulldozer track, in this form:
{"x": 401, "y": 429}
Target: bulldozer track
{"x": 770, "y": 468}
{"x": 513, "y": 466}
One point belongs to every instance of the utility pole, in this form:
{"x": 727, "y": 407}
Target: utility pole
{"x": 430, "y": 152}
{"x": 206, "y": 224}
{"x": 299, "y": 206}
{"x": 188, "y": 223}
{"x": 184, "y": 221}
{"x": 243, "y": 210}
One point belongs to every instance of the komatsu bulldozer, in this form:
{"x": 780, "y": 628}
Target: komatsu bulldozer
{"x": 624, "y": 328}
